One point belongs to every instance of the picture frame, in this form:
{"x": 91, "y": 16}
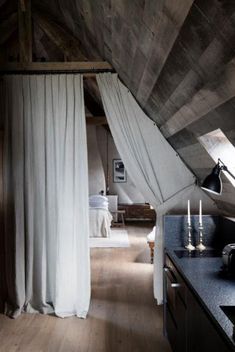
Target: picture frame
{"x": 119, "y": 171}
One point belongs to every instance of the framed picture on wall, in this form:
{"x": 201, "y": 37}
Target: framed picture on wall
{"x": 119, "y": 171}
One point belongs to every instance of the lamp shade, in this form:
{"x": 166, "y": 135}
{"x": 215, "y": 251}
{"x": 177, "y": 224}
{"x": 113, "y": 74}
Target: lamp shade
{"x": 212, "y": 182}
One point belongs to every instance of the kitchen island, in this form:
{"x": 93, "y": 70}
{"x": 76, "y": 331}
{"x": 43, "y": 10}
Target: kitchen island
{"x": 199, "y": 299}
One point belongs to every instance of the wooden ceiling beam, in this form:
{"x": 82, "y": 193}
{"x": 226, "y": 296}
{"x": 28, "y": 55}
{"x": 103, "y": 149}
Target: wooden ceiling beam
{"x": 88, "y": 68}
{"x": 96, "y": 120}
{"x": 25, "y": 30}
{"x": 8, "y": 27}
{"x": 71, "y": 48}
{"x": 211, "y": 96}
{"x": 92, "y": 104}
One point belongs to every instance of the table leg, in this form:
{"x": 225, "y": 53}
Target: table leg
{"x": 151, "y": 246}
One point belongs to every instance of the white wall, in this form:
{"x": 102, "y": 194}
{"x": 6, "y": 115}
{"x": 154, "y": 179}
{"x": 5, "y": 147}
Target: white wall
{"x": 99, "y": 139}
{"x": 127, "y": 192}
{"x": 208, "y": 206}
{"x": 95, "y": 166}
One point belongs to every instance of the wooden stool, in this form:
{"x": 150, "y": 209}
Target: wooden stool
{"x": 151, "y": 246}
{"x": 121, "y": 213}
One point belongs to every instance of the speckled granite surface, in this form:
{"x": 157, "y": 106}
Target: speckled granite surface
{"x": 203, "y": 276}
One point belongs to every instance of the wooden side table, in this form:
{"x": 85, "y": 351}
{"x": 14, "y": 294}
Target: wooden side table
{"x": 113, "y": 205}
{"x": 138, "y": 212}
{"x": 151, "y": 246}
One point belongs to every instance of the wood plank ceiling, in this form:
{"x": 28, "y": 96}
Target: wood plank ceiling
{"x": 176, "y": 57}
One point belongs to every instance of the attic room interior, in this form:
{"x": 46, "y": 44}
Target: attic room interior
{"x": 117, "y": 175}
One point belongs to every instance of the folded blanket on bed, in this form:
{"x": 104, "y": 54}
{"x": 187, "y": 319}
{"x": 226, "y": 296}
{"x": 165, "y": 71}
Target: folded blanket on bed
{"x": 98, "y": 201}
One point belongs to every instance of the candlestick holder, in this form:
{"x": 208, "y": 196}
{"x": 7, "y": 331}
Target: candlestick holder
{"x": 200, "y": 245}
{"x": 189, "y": 246}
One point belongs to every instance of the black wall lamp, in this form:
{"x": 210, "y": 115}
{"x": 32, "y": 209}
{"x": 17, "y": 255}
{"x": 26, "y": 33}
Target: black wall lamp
{"x": 212, "y": 182}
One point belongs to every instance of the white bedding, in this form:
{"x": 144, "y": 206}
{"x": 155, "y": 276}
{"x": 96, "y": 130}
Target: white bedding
{"x": 100, "y": 222}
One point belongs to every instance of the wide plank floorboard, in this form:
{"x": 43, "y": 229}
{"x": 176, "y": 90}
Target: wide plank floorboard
{"x": 123, "y": 315}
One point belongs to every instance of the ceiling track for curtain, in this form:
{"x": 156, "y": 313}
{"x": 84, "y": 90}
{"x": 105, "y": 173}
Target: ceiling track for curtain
{"x": 55, "y": 72}
{"x": 87, "y": 69}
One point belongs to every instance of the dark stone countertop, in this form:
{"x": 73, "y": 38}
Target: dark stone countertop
{"x": 212, "y": 289}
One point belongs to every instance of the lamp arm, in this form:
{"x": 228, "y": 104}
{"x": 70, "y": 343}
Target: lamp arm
{"x": 230, "y": 173}
{"x": 224, "y": 168}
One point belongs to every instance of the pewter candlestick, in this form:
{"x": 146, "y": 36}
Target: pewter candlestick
{"x": 189, "y": 246}
{"x": 200, "y": 246}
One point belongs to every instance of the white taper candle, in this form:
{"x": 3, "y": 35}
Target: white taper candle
{"x": 200, "y": 212}
{"x": 189, "y": 217}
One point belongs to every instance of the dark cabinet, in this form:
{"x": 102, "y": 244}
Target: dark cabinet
{"x": 202, "y": 334}
{"x": 187, "y": 325}
{"x": 175, "y": 309}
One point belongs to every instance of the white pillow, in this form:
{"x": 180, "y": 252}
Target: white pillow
{"x": 98, "y": 197}
{"x": 98, "y": 201}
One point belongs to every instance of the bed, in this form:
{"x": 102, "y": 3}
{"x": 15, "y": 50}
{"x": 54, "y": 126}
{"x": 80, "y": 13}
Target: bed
{"x": 100, "y": 222}
{"x": 99, "y": 216}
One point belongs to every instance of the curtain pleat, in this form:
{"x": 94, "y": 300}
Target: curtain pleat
{"x": 46, "y": 195}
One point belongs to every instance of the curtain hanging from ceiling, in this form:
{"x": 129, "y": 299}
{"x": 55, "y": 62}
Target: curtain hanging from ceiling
{"x": 151, "y": 162}
{"x": 46, "y": 196}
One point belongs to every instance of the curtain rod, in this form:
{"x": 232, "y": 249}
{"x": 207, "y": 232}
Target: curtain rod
{"x": 87, "y": 68}
{"x": 54, "y": 72}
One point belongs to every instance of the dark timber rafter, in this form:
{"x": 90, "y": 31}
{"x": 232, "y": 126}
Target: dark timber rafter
{"x": 93, "y": 106}
{"x": 76, "y": 60}
{"x": 88, "y": 68}
{"x": 68, "y": 44}
{"x": 25, "y": 30}
{"x": 96, "y": 120}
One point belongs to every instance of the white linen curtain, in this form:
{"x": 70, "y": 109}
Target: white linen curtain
{"x": 46, "y": 195}
{"x": 151, "y": 162}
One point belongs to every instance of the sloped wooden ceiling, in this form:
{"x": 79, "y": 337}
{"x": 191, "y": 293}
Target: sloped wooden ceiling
{"x": 176, "y": 57}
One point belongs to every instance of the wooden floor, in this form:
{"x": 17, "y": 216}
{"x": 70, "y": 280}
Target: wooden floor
{"x": 123, "y": 316}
